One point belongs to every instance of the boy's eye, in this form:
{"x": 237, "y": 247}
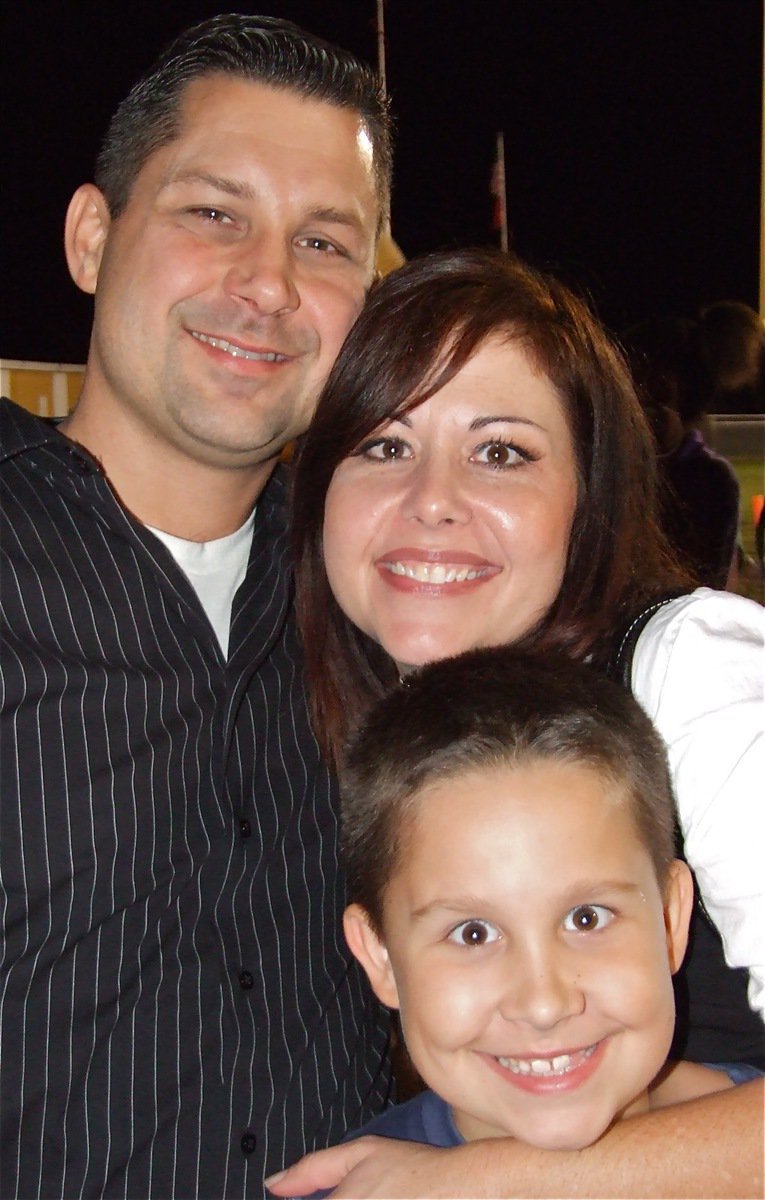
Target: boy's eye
{"x": 499, "y": 454}
{"x": 474, "y": 933}
{"x": 384, "y": 449}
{"x": 586, "y": 917}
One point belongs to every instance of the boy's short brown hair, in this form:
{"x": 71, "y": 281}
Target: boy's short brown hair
{"x": 484, "y": 709}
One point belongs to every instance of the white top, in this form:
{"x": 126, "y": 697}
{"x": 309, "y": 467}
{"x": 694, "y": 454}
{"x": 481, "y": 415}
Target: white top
{"x": 698, "y": 672}
{"x": 215, "y": 570}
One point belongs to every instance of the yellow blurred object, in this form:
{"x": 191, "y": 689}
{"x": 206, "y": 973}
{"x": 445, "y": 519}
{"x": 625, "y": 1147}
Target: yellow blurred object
{"x": 389, "y": 253}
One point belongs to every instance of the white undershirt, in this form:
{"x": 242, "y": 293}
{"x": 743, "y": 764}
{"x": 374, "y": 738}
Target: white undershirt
{"x": 214, "y": 570}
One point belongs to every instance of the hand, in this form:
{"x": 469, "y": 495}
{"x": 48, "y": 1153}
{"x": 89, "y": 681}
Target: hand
{"x": 372, "y": 1166}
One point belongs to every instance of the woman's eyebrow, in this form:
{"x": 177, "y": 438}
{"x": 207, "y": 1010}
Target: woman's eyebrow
{"x": 506, "y": 418}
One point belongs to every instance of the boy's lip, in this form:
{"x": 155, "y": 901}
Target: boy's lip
{"x": 562, "y": 1071}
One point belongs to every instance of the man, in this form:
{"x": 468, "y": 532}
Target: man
{"x": 179, "y": 1013}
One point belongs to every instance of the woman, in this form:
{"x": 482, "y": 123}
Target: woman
{"x": 479, "y": 472}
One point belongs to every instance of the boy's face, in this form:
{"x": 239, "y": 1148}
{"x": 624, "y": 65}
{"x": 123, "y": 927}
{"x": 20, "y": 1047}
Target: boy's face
{"x": 529, "y": 949}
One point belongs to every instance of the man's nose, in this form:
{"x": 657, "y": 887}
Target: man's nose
{"x": 262, "y": 274}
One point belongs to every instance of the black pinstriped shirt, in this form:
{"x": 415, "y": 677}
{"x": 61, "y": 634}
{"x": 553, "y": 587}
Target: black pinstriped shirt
{"x": 178, "y": 1012}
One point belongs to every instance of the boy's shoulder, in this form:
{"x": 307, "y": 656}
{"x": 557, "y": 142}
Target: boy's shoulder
{"x": 426, "y": 1119}
{"x": 680, "y": 1081}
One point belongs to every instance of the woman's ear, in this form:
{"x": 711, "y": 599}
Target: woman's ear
{"x": 85, "y": 232}
{"x": 371, "y": 953}
{"x": 678, "y": 906}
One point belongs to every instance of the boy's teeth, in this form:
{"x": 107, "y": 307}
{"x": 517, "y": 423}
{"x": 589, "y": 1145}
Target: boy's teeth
{"x": 558, "y": 1065}
{"x": 435, "y": 572}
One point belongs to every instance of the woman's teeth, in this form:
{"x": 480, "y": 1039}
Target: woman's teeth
{"x": 435, "y": 572}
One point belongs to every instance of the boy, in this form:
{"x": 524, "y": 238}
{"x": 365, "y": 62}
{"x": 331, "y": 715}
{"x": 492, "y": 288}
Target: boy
{"x": 509, "y": 841}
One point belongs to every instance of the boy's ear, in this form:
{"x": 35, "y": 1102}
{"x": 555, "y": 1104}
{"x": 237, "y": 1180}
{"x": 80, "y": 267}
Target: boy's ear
{"x": 371, "y": 953}
{"x": 678, "y": 906}
{"x": 85, "y": 232}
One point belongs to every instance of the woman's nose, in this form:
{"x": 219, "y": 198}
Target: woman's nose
{"x": 435, "y": 496}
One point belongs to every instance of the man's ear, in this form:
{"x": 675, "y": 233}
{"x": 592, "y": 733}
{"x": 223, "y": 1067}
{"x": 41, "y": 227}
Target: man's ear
{"x": 371, "y": 953}
{"x": 678, "y": 906}
{"x": 85, "y": 233}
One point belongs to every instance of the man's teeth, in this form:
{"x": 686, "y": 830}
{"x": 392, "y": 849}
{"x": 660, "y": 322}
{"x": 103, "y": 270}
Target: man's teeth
{"x": 237, "y": 351}
{"x": 435, "y": 572}
{"x": 558, "y": 1065}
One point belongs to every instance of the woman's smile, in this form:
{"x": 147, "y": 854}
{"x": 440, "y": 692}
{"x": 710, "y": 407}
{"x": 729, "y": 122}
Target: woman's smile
{"x": 467, "y": 500}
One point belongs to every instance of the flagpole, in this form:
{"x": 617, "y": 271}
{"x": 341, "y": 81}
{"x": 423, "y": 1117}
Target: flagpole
{"x": 501, "y": 192}
{"x": 381, "y": 44}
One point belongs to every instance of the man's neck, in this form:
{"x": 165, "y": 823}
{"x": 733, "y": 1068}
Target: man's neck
{"x": 165, "y": 488}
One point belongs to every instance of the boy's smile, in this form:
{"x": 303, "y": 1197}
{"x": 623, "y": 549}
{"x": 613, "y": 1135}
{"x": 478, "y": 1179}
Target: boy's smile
{"x": 527, "y": 945}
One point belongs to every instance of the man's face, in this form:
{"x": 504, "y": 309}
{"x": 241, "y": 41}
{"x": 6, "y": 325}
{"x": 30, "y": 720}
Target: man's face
{"x": 226, "y": 287}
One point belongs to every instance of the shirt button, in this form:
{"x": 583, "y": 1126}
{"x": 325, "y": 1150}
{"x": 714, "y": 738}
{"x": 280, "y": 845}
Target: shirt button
{"x": 248, "y": 1143}
{"x": 245, "y": 828}
{"x": 246, "y": 980}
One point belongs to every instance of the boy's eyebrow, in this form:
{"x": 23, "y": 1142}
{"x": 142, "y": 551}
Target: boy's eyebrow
{"x": 457, "y": 904}
{"x": 582, "y": 891}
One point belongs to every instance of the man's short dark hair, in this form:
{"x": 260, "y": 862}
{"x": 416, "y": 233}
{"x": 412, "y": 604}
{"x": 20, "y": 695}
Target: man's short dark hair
{"x": 487, "y": 709}
{"x": 259, "y": 49}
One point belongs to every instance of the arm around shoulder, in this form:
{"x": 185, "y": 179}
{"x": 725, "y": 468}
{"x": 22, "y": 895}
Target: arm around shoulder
{"x": 711, "y": 1147}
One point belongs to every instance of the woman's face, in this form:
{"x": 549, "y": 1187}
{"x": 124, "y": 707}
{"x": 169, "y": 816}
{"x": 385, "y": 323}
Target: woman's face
{"x": 447, "y": 529}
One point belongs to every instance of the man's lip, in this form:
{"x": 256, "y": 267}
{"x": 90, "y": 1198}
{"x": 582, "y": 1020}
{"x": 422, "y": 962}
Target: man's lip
{"x": 224, "y": 341}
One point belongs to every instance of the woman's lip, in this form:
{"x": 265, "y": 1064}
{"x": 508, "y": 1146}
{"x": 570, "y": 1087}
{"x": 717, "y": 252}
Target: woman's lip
{"x": 415, "y": 554}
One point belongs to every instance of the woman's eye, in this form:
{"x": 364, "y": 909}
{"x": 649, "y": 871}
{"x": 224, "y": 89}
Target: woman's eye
{"x": 384, "y": 450}
{"x": 586, "y": 917}
{"x": 474, "y": 933}
{"x": 500, "y": 454}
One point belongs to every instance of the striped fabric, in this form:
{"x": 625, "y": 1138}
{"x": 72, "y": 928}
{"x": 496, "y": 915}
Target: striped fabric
{"x": 178, "y": 1012}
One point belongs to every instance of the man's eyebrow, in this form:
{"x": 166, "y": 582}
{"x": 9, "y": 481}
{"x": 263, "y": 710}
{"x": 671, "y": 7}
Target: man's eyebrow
{"x": 243, "y": 191}
{"x": 232, "y": 187}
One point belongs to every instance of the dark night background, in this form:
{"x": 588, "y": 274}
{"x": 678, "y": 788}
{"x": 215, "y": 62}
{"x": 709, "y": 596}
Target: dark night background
{"x": 632, "y": 133}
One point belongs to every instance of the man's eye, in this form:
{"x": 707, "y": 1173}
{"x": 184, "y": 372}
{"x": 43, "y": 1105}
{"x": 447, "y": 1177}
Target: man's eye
{"x": 214, "y": 216}
{"x": 320, "y": 245}
{"x": 500, "y": 454}
{"x": 587, "y": 917}
{"x": 384, "y": 450}
{"x": 474, "y": 933}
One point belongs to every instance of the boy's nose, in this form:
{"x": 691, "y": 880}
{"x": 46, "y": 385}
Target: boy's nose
{"x": 542, "y": 993}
